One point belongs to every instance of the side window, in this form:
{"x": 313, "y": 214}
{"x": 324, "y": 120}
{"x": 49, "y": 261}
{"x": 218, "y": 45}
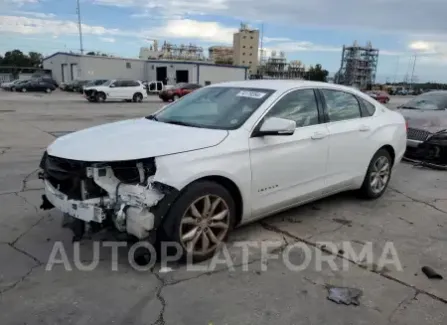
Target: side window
{"x": 118, "y": 83}
{"x": 368, "y": 109}
{"x": 133, "y": 83}
{"x": 341, "y": 105}
{"x": 300, "y": 106}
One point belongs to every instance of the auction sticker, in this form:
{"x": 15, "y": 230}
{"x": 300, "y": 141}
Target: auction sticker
{"x": 251, "y": 94}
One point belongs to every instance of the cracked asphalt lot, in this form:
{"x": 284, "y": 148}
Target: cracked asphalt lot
{"x": 412, "y": 215}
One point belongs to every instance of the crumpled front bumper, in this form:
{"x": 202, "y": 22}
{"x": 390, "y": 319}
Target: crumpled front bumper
{"x": 88, "y": 210}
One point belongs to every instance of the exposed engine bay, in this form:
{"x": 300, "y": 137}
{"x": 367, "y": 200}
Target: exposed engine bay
{"x": 121, "y": 194}
{"x": 432, "y": 152}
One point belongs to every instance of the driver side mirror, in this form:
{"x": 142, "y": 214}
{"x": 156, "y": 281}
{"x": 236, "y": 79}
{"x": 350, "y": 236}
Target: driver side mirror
{"x": 276, "y": 126}
{"x": 112, "y": 86}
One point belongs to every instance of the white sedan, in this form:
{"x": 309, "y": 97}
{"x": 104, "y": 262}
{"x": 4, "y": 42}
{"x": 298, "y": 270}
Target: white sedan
{"x": 222, "y": 156}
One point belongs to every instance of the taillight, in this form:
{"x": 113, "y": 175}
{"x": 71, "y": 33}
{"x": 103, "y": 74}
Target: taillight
{"x": 406, "y": 125}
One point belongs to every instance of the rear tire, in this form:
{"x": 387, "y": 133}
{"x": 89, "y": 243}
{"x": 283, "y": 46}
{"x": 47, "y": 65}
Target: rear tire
{"x": 377, "y": 176}
{"x": 200, "y": 232}
{"x": 48, "y": 90}
{"x": 175, "y": 97}
{"x": 23, "y": 90}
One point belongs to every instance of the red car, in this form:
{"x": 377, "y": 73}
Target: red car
{"x": 178, "y": 91}
{"x": 380, "y": 96}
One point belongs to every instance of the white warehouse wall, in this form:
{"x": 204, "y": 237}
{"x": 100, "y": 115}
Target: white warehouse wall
{"x": 216, "y": 74}
{"x": 94, "y": 67}
{"x": 171, "y": 68}
{"x": 56, "y": 62}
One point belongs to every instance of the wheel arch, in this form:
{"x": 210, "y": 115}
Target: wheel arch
{"x": 223, "y": 181}
{"x": 390, "y": 150}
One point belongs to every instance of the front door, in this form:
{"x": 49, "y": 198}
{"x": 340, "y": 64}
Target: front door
{"x": 290, "y": 169}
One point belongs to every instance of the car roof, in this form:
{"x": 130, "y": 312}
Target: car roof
{"x": 282, "y": 85}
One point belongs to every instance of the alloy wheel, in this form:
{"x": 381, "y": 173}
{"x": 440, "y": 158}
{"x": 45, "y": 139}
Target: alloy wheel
{"x": 205, "y": 225}
{"x": 380, "y": 174}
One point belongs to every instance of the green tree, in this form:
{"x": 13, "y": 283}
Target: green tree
{"x": 317, "y": 73}
{"x": 35, "y": 59}
{"x": 17, "y": 58}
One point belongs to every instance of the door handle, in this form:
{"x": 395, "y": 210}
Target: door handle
{"x": 318, "y": 135}
{"x": 364, "y": 128}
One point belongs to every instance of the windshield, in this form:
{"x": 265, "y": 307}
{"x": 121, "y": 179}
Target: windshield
{"x": 224, "y": 108}
{"x": 107, "y": 83}
{"x": 428, "y": 102}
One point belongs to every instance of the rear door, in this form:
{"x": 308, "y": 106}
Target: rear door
{"x": 350, "y": 147}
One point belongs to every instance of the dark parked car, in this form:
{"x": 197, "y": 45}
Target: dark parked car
{"x": 178, "y": 91}
{"x": 18, "y": 84}
{"x": 74, "y": 85}
{"x": 35, "y": 85}
{"x": 426, "y": 117}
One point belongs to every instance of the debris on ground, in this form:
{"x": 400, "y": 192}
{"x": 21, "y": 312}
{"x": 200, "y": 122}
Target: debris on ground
{"x": 165, "y": 269}
{"x": 344, "y": 295}
{"x": 431, "y": 274}
{"x": 343, "y": 222}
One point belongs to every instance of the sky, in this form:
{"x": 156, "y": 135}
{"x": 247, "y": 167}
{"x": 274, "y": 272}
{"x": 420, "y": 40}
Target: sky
{"x": 408, "y": 33}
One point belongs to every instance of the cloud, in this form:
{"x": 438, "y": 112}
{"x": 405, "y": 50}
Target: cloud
{"x": 429, "y": 52}
{"x": 275, "y": 39}
{"x": 390, "y": 16}
{"x": 108, "y": 39}
{"x": 19, "y": 3}
{"x": 27, "y": 26}
{"x": 195, "y": 30}
{"x": 36, "y": 14}
{"x": 177, "y": 29}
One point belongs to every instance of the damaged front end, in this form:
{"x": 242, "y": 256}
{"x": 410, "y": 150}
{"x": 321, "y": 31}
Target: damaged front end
{"x": 432, "y": 152}
{"x": 120, "y": 194}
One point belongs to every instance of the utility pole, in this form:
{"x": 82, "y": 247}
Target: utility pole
{"x": 397, "y": 68}
{"x": 412, "y": 72}
{"x": 261, "y": 59}
{"x": 78, "y": 11}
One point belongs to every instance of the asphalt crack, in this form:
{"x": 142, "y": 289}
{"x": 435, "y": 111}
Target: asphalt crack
{"x": 381, "y": 273}
{"x": 3, "y": 150}
{"x": 419, "y": 201}
{"x": 26, "y": 179}
{"x": 36, "y": 260}
{"x": 404, "y": 302}
{"x": 161, "y": 316}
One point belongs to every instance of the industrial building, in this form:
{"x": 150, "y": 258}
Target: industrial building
{"x": 277, "y": 67}
{"x": 246, "y": 47}
{"x": 169, "y": 51}
{"x": 69, "y": 66}
{"x": 358, "y": 66}
{"x": 221, "y": 54}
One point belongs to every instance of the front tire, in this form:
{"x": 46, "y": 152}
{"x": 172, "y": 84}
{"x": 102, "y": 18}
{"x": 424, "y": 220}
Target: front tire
{"x": 100, "y": 97}
{"x": 378, "y": 175}
{"x": 200, "y": 220}
{"x": 23, "y": 90}
{"x": 48, "y": 90}
{"x": 137, "y": 98}
{"x": 175, "y": 97}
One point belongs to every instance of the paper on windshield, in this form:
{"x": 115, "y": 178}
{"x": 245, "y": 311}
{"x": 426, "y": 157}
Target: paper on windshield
{"x": 251, "y": 94}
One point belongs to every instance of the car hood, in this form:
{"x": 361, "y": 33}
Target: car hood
{"x": 133, "y": 139}
{"x": 429, "y": 120}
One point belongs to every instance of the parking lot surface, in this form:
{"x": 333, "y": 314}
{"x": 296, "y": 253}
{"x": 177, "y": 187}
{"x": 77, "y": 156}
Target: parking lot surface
{"x": 409, "y": 221}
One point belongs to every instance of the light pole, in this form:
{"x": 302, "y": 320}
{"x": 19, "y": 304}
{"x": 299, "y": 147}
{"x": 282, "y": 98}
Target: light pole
{"x": 78, "y": 11}
{"x": 412, "y": 72}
